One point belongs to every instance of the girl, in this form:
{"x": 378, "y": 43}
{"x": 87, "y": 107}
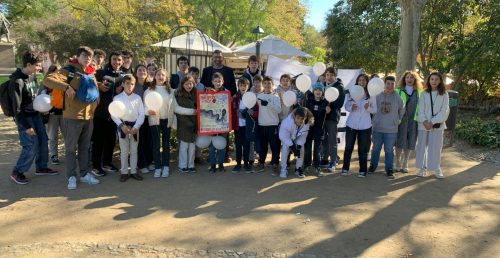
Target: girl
{"x": 128, "y": 127}
{"x": 185, "y": 110}
{"x": 409, "y": 89}
{"x": 151, "y": 72}
{"x": 160, "y": 121}
{"x": 433, "y": 111}
{"x": 358, "y": 125}
{"x": 145, "y": 148}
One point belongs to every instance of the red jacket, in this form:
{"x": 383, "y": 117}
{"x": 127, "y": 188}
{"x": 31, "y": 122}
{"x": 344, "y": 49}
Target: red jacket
{"x": 235, "y": 109}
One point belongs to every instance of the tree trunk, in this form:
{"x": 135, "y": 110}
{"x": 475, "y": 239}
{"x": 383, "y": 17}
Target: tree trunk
{"x": 411, "y": 13}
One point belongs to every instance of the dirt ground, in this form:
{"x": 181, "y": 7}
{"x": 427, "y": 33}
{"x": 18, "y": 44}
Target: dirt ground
{"x": 252, "y": 215}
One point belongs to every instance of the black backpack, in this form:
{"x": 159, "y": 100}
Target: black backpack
{"x": 6, "y": 100}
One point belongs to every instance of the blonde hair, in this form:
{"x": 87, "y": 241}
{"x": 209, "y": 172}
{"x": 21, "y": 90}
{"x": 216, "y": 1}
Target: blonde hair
{"x": 166, "y": 83}
{"x": 418, "y": 80}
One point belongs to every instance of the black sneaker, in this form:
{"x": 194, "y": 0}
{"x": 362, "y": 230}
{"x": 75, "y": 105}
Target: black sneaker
{"x": 236, "y": 169}
{"x": 212, "y": 169}
{"x": 362, "y": 174}
{"x": 19, "y": 178}
{"x": 319, "y": 173}
{"x": 324, "y": 163}
{"x": 192, "y": 170}
{"x": 371, "y": 170}
{"x": 221, "y": 168}
{"x": 55, "y": 160}
{"x": 98, "y": 172}
{"x": 390, "y": 174}
{"x": 110, "y": 168}
{"x": 299, "y": 172}
{"x": 248, "y": 168}
{"x": 137, "y": 177}
{"x": 46, "y": 172}
{"x": 261, "y": 167}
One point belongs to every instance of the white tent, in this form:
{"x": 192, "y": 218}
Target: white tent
{"x": 193, "y": 40}
{"x": 272, "y": 45}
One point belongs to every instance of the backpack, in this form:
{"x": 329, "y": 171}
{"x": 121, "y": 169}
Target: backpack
{"x": 87, "y": 92}
{"x": 5, "y": 99}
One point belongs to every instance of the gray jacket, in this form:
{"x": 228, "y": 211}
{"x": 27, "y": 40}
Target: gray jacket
{"x": 390, "y": 110}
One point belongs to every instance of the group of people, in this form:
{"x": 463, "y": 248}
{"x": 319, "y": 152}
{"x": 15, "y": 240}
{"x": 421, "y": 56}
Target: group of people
{"x": 407, "y": 117}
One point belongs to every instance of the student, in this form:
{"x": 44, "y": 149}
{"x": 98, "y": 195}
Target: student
{"x": 145, "y": 148}
{"x": 32, "y": 135}
{"x": 317, "y": 105}
{"x": 160, "y": 122}
{"x": 184, "y": 105}
{"x": 433, "y": 110}
{"x": 128, "y": 128}
{"x": 77, "y": 117}
{"x": 293, "y": 135}
{"x": 151, "y": 71}
{"x": 183, "y": 66}
{"x": 332, "y": 120}
{"x": 252, "y": 70}
{"x": 255, "y": 144}
{"x": 243, "y": 126}
{"x": 98, "y": 60}
{"x": 195, "y": 73}
{"x": 128, "y": 57}
{"x": 410, "y": 88}
{"x": 385, "y": 123}
{"x": 217, "y": 156}
{"x": 54, "y": 122}
{"x": 358, "y": 125}
{"x": 269, "y": 110}
{"x": 104, "y": 135}
{"x": 285, "y": 86}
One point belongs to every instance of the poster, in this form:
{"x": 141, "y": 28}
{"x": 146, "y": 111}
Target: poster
{"x": 214, "y": 112}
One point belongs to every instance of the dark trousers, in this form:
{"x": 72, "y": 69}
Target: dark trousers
{"x": 103, "y": 142}
{"x": 269, "y": 136}
{"x": 242, "y": 145}
{"x": 364, "y": 139}
{"x": 161, "y": 134}
{"x": 145, "y": 148}
{"x": 312, "y": 154}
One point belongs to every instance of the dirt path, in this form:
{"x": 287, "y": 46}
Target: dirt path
{"x": 253, "y": 215}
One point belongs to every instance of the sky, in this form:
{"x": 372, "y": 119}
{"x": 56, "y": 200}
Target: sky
{"x": 317, "y": 12}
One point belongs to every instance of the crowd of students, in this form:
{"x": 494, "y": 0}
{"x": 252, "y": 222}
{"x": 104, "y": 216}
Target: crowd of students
{"x": 402, "y": 119}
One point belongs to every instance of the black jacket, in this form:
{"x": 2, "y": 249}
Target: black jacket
{"x": 337, "y": 104}
{"x": 318, "y": 108}
{"x": 227, "y": 73}
{"x": 247, "y": 74}
{"x": 105, "y": 98}
{"x": 22, "y": 98}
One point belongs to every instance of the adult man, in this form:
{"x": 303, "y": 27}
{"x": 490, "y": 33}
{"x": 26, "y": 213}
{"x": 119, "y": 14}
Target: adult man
{"x": 219, "y": 67}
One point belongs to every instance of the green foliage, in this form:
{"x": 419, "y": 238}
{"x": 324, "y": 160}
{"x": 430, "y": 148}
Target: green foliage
{"x": 28, "y": 9}
{"x": 480, "y": 132}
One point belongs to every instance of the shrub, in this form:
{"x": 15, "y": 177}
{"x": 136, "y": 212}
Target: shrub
{"x": 480, "y": 132}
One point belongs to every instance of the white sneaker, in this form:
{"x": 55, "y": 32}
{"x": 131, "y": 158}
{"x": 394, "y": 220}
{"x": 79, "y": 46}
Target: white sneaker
{"x": 283, "y": 174}
{"x": 157, "y": 173}
{"x": 331, "y": 167}
{"x": 89, "y": 179}
{"x": 164, "y": 172}
{"x": 72, "y": 183}
{"x": 151, "y": 167}
{"x": 421, "y": 172}
{"x": 145, "y": 170}
{"x": 439, "y": 173}
{"x": 404, "y": 170}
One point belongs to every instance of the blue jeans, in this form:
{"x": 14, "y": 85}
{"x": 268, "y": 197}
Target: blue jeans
{"x": 33, "y": 146}
{"x": 388, "y": 140}
{"x": 213, "y": 152}
{"x": 162, "y": 159}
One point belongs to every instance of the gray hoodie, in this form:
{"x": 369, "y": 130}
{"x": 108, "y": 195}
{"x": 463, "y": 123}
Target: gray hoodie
{"x": 390, "y": 110}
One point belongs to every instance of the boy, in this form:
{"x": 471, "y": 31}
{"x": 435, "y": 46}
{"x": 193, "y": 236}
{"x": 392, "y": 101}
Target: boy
{"x": 183, "y": 66}
{"x": 317, "y": 105}
{"x": 332, "y": 119}
{"x": 77, "y": 117}
{"x": 217, "y": 156}
{"x": 128, "y": 126}
{"x": 293, "y": 135}
{"x": 255, "y": 144}
{"x": 285, "y": 82}
{"x": 32, "y": 134}
{"x": 385, "y": 126}
{"x": 128, "y": 57}
{"x": 252, "y": 70}
{"x": 269, "y": 109}
{"x": 194, "y": 72}
{"x": 98, "y": 60}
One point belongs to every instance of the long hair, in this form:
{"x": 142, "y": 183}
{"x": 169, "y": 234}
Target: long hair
{"x": 166, "y": 83}
{"x": 367, "y": 79}
{"x": 135, "y": 74}
{"x": 181, "y": 92}
{"x": 418, "y": 80}
{"x": 441, "y": 89}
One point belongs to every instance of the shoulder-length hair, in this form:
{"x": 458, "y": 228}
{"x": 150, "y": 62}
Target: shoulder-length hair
{"x": 418, "y": 80}
{"x": 441, "y": 89}
{"x": 181, "y": 92}
{"x": 166, "y": 83}
{"x": 367, "y": 79}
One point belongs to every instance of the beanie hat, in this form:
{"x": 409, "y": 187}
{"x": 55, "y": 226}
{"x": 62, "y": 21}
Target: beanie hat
{"x": 318, "y": 86}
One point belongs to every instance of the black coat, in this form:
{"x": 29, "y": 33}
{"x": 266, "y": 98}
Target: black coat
{"x": 107, "y": 97}
{"x": 337, "y": 104}
{"x": 227, "y": 73}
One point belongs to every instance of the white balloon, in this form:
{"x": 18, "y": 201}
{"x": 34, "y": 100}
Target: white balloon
{"x": 42, "y": 103}
{"x": 319, "y": 68}
{"x": 375, "y": 86}
{"x": 331, "y": 94}
{"x": 249, "y": 99}
{"x": 303, "y": 83}
{"x": 289, "y": 98}
{"x": 357, "y": 92}
{"x": 153, "y": 101}
{"x": 203, "y": 141}
{"x": 117, "y": 109}
{"x": 219, "y": 142}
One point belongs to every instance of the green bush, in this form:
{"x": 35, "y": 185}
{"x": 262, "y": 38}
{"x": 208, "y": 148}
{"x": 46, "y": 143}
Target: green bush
{"x": 480, "y": 132}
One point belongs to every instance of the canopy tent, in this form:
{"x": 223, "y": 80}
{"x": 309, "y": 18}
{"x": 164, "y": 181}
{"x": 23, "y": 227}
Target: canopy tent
{"x": 193, "y": 40}
{"x": 272, "y": 45}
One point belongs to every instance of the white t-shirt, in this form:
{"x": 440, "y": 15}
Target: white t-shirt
{"x": 242, "y": 121}
{"x": 409, "y": 89}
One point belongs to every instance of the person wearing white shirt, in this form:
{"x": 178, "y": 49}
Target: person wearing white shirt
{"x": 128, "y": 127}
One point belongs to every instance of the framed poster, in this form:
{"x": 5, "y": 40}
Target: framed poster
{"x": 214, "y": 112}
